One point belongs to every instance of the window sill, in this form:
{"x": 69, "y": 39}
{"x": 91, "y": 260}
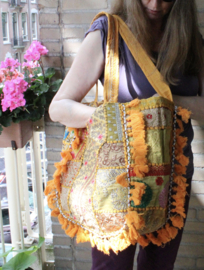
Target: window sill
{"x": 25, "y": 40}
{"x": 6, "y": 42}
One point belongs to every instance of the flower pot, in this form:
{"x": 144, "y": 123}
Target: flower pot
{"x": 20, "y": 133}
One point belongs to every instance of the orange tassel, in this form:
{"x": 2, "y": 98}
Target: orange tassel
{"x": 171, "y": 230}
{"x": 134, "y": 219}
{"x": 185, "y": 114}
{"x": 51, "y": 201}
{"x": 133, "y": 103}
{"x": 143, "y": 241}
{"x": 177, "y": 221}
{"x": 180, "y": 169}
{"x": 153, "y": 239}
{"x": 50, "y": 186}
{"x": 82, "y": 236}
{"x": 140, "y": 170}
{"x": 163, "y": 235}
{"x": 137, "y": 192}
{"x": 183, "y": 160}
{"x": 122, "y": 180}
{"x": 55, "y": 212}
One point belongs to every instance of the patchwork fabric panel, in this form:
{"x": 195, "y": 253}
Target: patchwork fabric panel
{"x": 156, "y": 193}
{"x": 158, "y": 145}
{"x": 67, "y": 178}
{"x": 109, "y": 222}
{"x": 158, "y": 118}
{"x": 111, "y": 155}
{"x": 153, "y": 220}
{"x": 63, "y": 198}
{"x": 114, "y": 126}
{"x": 108, "y": 195}
{"x": 81, "y": 192}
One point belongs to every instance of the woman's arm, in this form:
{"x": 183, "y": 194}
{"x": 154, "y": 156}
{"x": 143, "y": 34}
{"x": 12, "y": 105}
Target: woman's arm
{"x": 85, "y": 71}
{"x": 195, "y": 103}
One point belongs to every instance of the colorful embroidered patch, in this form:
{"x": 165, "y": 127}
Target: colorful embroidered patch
{"x": 109, "y": 222}
{"x": 159, "y": 117}
{"x": 114, "y": 126}
{"x": 111, "y": 155}
{"x": 108, "y": 195}
{"x": 67, "y": 178}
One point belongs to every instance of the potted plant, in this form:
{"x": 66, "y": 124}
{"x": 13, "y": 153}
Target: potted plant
{"x": 23, "y": 259}
{"x": 25, "y": 96}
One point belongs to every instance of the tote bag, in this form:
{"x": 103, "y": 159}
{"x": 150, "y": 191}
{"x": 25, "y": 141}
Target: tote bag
{"x": 120, "y": 180}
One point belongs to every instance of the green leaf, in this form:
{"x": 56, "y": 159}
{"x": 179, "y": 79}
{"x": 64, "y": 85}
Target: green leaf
{"x": 6, "y": 253}
{"x": 6, "y": 121}
{"x": 56, "y": 85}
{"x": 20, "y": 262}
{"x": 50, "y": 72}
{"x": 37, "y": 70}
{"x": 43, "y": 88}
{"x": 1, "y": 129}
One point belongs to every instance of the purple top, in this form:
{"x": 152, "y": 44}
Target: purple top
{"x": 133, "y": 82}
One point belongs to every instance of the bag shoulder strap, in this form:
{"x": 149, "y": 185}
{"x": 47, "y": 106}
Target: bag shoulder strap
{"x": 111, "y": 81}
{"x": 111, "y": 76}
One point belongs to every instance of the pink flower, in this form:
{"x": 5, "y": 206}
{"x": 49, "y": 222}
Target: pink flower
{"x": 10, "y": 63}
{"x": 85, "y": 163}
{"x": 100, "y": 137}
{"x": 35, "y": 51}
{"x": 13, "y": 94}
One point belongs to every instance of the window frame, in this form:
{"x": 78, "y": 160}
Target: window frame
{"x": 25, "y": 37}
{"x": 7, "y": 27}
{"x": 35, "y": 14}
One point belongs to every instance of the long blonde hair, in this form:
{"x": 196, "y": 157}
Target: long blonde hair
{"x": 180, "y": 49}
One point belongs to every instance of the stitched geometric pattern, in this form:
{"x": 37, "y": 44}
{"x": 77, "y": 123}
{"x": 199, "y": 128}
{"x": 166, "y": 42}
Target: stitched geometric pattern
{"x": 63, "y": 197}
{"x": 111, "y": 155}
{"x": 114, "y": 127}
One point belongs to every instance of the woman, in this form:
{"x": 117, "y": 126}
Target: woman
{"x": 168, "y": 31}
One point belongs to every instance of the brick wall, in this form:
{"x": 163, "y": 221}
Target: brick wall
{"x": 62, "y": 27}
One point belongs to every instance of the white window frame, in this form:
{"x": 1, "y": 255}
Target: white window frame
{"x": 35, "y": 26}
{"x": 23, "y": 1}
{"x": 25, "y": 37}
{"x": 33, "y": 1}
{"x": 7, "y": 27}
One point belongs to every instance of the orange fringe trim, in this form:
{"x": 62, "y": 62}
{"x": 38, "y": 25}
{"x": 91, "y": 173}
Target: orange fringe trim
{"x": 122, "y": 180}
{"x": 137, "y": 192}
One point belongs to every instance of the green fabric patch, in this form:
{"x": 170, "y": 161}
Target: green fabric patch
{"x": 146, "y": 198}
{"x": 114, "y": 125}
{"x": 156, "y": 196}
{"x": 159, "y": 146}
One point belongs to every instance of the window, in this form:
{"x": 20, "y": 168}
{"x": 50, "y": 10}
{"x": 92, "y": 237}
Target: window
{"x": 34, "y": 26}
{"x": 5, "y": 31}
{"x": 24, "y": 26}
{"x": 32, "y": 1}
{"x": 15, "y": 28}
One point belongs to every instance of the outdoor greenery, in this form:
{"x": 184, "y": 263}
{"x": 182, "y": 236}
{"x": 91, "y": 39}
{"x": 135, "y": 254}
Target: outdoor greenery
{"x": 26, "y": 95}
{"x": 23, "y": 259}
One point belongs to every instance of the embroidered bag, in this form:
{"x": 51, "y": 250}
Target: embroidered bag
{"x": 117, "y": 183}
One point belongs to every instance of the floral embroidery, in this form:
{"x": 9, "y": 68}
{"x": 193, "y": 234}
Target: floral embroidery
{"x": 159, "y": 181}
{"x": 86, "y": 177}
{"x": 85, "y": 163}
{"x": 73, "y": 155}
{"x": 100, "y": 137}
{"x": 89, "y": 200}
{"x": 149, "y": 116}
{"x": 91, "y": 121}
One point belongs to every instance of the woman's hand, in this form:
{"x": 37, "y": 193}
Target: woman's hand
{"x": 85, "y": 71}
